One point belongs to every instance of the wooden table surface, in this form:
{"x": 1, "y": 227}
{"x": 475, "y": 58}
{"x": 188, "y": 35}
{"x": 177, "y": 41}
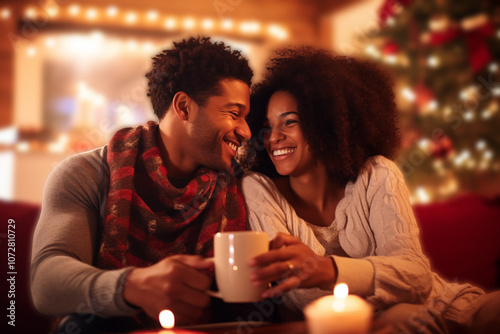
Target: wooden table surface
{"x": 236, "y": 328}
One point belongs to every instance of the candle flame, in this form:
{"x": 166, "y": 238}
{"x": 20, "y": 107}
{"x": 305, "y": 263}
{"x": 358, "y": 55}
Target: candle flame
{"x": 341, "y": 290}
{"x": 167, "y": 319}
{"x": 340, "y": 293}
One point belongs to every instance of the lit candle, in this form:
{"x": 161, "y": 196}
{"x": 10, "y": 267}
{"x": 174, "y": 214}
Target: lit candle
{"x": 340, "y": 313}
{"x": 167, "y": 319}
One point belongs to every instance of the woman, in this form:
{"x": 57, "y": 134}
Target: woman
{"x": 328, "y": 126}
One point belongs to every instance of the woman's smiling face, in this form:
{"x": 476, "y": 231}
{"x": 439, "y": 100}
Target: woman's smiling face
{"x": 284, "y": 140}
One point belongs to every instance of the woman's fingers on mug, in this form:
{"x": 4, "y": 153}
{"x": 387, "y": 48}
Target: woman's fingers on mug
{"x": 282, "y": 239}
{"x": 274, "y": 272}
{"x": 288, "y": 284}
{"x": 275, "y": 255}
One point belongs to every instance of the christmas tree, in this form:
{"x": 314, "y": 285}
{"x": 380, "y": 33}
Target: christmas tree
{"x": 444, "y": 56}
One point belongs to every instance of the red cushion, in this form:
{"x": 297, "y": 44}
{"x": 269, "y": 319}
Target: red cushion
{"x": 27, "y": 318}
{"x": 461, "y": 237}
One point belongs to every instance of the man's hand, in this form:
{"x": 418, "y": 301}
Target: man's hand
{"x": 175, "y": 283}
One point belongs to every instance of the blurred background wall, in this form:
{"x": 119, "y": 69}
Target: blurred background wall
{"x": 72, "y": 73}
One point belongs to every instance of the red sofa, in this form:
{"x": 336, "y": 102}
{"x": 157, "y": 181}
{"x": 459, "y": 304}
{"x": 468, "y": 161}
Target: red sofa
{"x": 460, "y": 236}
{"x": 27, "y": 318}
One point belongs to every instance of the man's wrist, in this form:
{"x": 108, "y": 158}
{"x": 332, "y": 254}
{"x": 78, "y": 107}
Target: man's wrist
{"x": 128, "y": 287}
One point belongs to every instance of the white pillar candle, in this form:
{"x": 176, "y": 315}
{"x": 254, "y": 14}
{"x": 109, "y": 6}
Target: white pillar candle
{"x": 339, "y": 314}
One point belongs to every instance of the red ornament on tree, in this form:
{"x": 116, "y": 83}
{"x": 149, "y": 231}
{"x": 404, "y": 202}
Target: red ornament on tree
{"x": 424, "y": 97}
{"x": 442, "y": 148}
{"x": 390, "y": 48}
{"x": 391, "y": 7}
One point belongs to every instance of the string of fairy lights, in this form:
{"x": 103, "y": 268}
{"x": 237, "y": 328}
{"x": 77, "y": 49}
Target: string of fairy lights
{"x": 152, "y": 19}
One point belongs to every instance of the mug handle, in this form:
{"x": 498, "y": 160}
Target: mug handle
{"x": 212, "y": 293}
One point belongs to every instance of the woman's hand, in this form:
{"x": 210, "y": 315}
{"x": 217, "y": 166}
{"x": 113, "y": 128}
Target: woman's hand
{"x": 293, "y": 264}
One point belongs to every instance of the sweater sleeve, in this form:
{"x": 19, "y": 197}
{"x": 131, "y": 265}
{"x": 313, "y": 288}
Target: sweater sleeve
{"x": 402, "y": 271}
{"x": 63, "y": 279}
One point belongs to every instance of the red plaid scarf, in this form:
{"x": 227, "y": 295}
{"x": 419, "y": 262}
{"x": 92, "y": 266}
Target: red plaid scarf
{"x": 148, "y": 219}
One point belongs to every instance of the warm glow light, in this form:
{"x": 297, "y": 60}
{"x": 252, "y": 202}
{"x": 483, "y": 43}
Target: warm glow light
{"x": 432, "y": 105}
{"x": 480, "y": 144}
{"x": 423, "y": 195}
{"x": 170, "y": 23}
{"x": 390, "y": 59}
{"x": 132, "y": 44}
{"x": 340, "y": 293}
{"x": 112, "y": 11}
{"x": 372, "y": 51}
{"x": 83, "y": 91}
{"x": 469, "y": 116}
{"x": 341, "y": 290}
{"x": 167, "y": 319}
{"x": 488, "y": 155}
{"x": 30, "y": 13}
{"x": 433, "y": 61}
{"x": 461, "y": 158}
{"x": 31, "y": 52}
{"x": 50, "y": 42}
{"x": 91, "y": 13}
{"x": 277, "y": 32}
{"x": 424, "y": 144}
{"x": 469, "y": 93}
{"x": 486, "y": 114}
{"x": 250, "y": 27}
{"x": 131, "y": 18}
{"x": 59, "y": 146}
{"x": 207, "y": 24}
{"x": 8, "y": 135}
{"x": 189, "y": 23}
{"x": 23, "y": 146}
{"x": 152, "y": 15}
{"x": 227, "y": 24}
{"x": 73, "y": 10}
{"x": 5, "y": 13}
{"x": 493, "y": 67}
{"x": 408, "y": 94}
{"x": 148, "y": 47}
{"x": 53, "y": 10}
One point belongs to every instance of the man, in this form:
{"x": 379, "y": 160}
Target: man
{"x": 125, "y": 228}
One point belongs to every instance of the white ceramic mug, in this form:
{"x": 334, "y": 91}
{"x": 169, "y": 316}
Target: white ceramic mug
{"x": 232, "y": 252}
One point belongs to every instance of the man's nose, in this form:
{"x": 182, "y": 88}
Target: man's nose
{"x": 244, "y": 130}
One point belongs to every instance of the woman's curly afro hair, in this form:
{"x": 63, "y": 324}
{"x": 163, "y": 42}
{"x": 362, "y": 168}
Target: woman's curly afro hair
{"x": 346, "y": 110}
{"x": 194, "y": 66}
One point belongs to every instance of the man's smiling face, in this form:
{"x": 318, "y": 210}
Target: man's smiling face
{"x": 219, "y": 127}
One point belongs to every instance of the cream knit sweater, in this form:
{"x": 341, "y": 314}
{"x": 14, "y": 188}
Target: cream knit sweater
{"x": 375, "y": 226}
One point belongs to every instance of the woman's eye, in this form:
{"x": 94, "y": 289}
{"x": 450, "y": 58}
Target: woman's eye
{"x": 290, "y": 122}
